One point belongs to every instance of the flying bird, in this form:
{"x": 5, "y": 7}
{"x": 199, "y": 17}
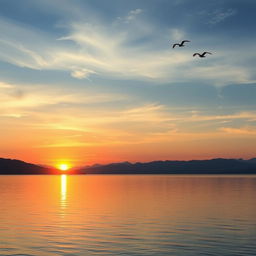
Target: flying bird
{"x": 202, "y": 55}
{"x": 181, "y": 44}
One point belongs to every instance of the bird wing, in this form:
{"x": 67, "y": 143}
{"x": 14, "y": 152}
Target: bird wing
{"x": 174, "y": 45}
{"x": 196, "y": 54}
{"x": 207, "y": 52}
{"x": 184, "y": 41}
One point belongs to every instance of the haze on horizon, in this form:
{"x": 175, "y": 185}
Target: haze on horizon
{"x": 98, "y": 82}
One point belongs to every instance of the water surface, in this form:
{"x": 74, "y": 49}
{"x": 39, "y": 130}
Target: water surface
{"x": 127, "y": 215}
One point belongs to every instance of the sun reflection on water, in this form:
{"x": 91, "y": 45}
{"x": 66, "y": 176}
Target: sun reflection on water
{"x": 63, "y": 193}
{"x": 63, "y": 187}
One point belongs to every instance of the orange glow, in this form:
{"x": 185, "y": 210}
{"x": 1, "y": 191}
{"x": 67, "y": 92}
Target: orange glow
{"x": 67, "y": 200}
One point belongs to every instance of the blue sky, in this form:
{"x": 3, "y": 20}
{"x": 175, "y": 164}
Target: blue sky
{"x": 101, "y": 76}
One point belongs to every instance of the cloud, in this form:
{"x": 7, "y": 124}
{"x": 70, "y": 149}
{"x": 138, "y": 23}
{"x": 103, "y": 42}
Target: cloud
{"x": 82, "y": 73}
{"x": 220, "y": 74}
{"x": 133, "y": 13}
{"x": 131, "y": 16}
{"x": 120, "y": 52}
{"x": 239, "y": 131}
{"x": 12, "y": 115}
{"x": 111, "y": 55}
{"x": 29, "y": 99}
{"x": 220, "y": 15}
{"x": 4, "y": 85}
{"x": 249, "y": 116}
{"x": 79, "y": 118}
{"x": 96, "y": 49}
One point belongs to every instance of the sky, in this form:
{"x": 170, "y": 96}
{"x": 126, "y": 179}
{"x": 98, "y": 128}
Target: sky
{"x": 92, "y": 81}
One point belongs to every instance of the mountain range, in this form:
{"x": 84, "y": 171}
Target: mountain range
{"x": 13, "y": 166}
{"x": 212, "y": 166}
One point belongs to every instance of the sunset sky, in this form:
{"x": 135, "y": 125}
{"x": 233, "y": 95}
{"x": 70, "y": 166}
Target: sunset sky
{"x": 97, "y": 81}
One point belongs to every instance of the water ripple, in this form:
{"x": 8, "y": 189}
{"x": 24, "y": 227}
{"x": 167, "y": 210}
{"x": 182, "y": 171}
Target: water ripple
{"x": 77, "y": 216}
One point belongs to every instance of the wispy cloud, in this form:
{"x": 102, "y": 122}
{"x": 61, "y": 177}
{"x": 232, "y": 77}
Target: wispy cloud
{"x": 81, "y": 73}
{"x": 5, "y": 85}
{"x": 139, "y": 49}
{"x": 218, "y": 16}
{"x": 249, "y": 131}
{"x": 131, "y": 16}
{"x": 107, "y": 50}
{"x": 28, "y": 99}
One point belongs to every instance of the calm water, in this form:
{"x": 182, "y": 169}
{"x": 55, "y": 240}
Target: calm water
{"x": 127, "y": 215}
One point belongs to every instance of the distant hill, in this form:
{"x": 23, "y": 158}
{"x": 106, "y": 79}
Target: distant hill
{"x": 213, "y": 166}
{"x": 12, "y": 166}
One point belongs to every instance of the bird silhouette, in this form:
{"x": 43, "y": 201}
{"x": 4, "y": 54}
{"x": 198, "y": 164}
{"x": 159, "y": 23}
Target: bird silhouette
{"x": 181, "y": 44}
{"x": 201, "y": 55}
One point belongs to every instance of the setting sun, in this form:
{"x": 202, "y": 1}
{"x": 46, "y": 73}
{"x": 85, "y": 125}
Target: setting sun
{"x": 63, "y": 167}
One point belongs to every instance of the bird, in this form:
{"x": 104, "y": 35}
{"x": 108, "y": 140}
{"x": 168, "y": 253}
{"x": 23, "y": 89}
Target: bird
{"x": 202, "y": 55}
{"x": 181, "y": 44}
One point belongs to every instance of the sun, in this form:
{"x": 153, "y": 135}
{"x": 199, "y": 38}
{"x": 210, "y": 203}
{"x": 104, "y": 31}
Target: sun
{"x": 63, "y": 167}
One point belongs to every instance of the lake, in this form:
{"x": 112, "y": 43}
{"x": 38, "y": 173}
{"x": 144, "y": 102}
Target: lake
{"x": 127, "y": 215}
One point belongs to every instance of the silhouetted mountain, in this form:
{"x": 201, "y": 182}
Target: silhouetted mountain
{"x": 96, "y": 165}
{"x": 12, "y": 166}
{"x": 213, "y": 166}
